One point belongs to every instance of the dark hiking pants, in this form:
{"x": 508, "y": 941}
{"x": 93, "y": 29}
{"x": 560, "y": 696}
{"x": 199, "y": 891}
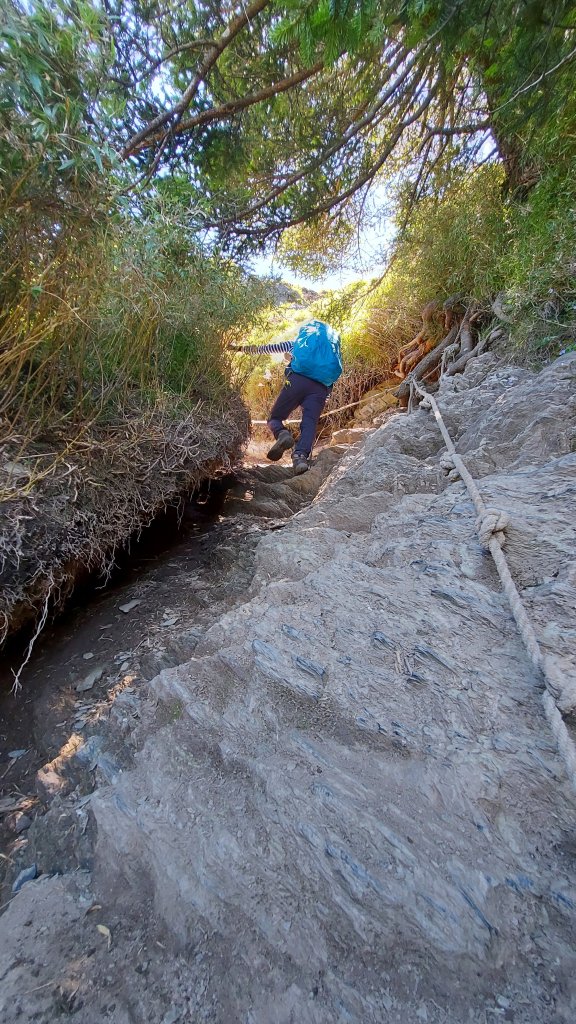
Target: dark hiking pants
{"x": 311, "y": 396}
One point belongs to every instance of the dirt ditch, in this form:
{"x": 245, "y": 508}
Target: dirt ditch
{"x": 84, "y": 677}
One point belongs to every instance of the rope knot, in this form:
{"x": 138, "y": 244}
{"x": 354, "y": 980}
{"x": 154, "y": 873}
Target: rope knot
{"x": 492, "y": 523}
{"x": 448, "y": 465}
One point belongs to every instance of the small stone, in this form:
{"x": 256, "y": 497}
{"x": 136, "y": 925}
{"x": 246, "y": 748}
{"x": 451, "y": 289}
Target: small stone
{"x": 16, "y": 471}
{"x": 312, "y": 668}
{"x": 348, "y": 436}
{"x": 172, "y": 1016}
{"x": 26, "y": 875}
{"x": 89, "y": 752}
{"x": 49, "y": 783}
{"x": 15, "y": 754}
{"x": 88, "y": 682}
{"x": 502, "y": 1001}
{"x": 10, "y": 804}
{"x": 379, "y": 639}
{"x": 294, "y": 634}
{"x": 88, "y": 655}
{"x": 18, "y": 822}
{"x": 171, "y": 620}
{"x": 129, "y": 606}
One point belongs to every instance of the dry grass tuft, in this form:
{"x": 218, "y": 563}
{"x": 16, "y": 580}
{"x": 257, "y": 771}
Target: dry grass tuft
{"x": 67, "y": 513}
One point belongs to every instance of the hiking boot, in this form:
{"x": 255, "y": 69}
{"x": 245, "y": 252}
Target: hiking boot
{"x": 300, "y": 463}
{"x": 283, "y": 442}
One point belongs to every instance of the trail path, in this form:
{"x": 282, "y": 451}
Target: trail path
{"x": 342, "y": 802}
{"x": 185, "y": 571}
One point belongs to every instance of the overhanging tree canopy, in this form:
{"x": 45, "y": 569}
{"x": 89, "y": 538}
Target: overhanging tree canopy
{"x": 281, "y": 112}
{"x": 266, "y": 115}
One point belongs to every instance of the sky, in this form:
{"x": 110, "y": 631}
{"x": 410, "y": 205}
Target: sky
{"x": 267, "y": 266}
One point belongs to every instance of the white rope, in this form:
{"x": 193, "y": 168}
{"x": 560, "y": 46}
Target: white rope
{"x": 560, "y": 692}
{"x": 447, "y": 354}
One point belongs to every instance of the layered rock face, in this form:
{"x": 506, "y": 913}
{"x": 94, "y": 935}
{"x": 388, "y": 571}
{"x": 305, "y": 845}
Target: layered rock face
{"x": 361, "y": 815}
{"x": 356, "y": 812}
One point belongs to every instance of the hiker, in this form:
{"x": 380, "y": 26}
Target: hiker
{"x": 315, "y": 366}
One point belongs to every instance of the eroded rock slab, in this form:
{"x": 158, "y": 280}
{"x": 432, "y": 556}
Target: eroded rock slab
{"x": 356, "y": 811}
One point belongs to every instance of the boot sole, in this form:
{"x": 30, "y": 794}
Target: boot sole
{"x": 277, "y": 450}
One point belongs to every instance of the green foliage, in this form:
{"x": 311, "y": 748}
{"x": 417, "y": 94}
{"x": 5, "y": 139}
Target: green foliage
{"x": 140, "y": 316}
{"x": 105, "y": 299}
{"x": 328, "y": 27}
{"x": 477, "y": 242}
{"x": 106, "y": 303}
{"x": 419, "y": 90}
{"x": 543, "y": 236}
{"x": 538, "y": 268}
{"x": 416, "y": 91}
{"x": 53, "y": 60}
{"x": 455, "y": 245}
{"x": 317, "y": 247}
{"x": 344, "y": 309}
{"x": 169, "y": 309}
{"x": 454, "y": 240}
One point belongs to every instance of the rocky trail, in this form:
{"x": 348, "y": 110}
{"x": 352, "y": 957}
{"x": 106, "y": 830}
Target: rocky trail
{"x": 192, "y": 564}
{"x": 307, "y": 778}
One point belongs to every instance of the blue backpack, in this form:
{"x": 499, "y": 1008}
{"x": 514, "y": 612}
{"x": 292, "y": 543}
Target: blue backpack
{"x": 316, "y": 353}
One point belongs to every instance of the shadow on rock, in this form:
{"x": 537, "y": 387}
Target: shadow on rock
{"x": 274, "y": 492}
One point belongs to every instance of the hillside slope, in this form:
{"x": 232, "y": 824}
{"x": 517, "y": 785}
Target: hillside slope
{"x": 355, "y": 810}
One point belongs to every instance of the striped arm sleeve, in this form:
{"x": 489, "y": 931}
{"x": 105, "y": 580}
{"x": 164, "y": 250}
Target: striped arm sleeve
{"x": 257, "y": 350}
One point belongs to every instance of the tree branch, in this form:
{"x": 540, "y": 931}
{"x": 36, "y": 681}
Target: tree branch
{"x": 194, "y": 44}
{"x": 429, "y": 362}
{"x": 368, "y": 120}
{"x": 215, "y": 51}
{"x": 461, "y": 129}
{"x": 335, "y": 201}
{"x": 532, "y": 85}
{"x": 234, "y": 106}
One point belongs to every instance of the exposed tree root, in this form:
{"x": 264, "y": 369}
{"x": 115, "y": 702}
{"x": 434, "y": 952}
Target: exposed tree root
{"x": 425, "y": 340}
{"x": 426, "y": 359}
{"x": 459, "y": 364}
{"x": 426, "y": 366}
